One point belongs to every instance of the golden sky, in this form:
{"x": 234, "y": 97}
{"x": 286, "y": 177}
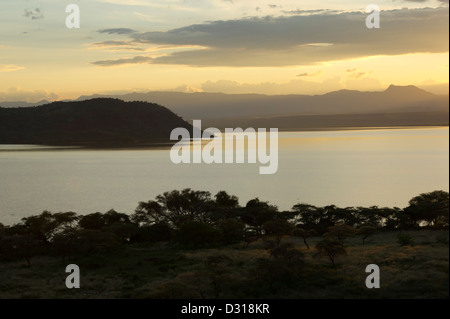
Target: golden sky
{"x": 230, "y": 46}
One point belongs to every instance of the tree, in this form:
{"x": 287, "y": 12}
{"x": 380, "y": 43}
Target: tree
{"x": 44, "y": 226}
{"x": 341, "y": 232}
{"x": 112, "y": 217}
{"x": 250, "y": 236}
{"x": 65, "y": 243}
{"x": 312, "y": 217}
{"x": 226, "y": 201}
{"x": 431, "y": 208}
{"x": 92, "y": 221}
{"x": 366, "y": 231}
{"x": 278, "y": 228}
{"x": 331, "y": 248}
{"x": 149, "y": 213}
{"x": 305, "y": 234}
{"x": 370, "y": 216}
{"x": 256, "y": 213}
{"x": 176, "y": 208}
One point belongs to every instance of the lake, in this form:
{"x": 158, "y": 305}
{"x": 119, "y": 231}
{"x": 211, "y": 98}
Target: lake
{"x": 384, "y": 167}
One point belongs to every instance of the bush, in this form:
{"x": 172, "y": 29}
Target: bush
{"x": 405, "y": 240}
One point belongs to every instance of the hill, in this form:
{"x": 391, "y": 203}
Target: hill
{"x": 94, "y": 122}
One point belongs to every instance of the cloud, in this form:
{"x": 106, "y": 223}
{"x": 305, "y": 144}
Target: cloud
{"x": 17, "y": 94}
{"x": 186, "y": 89}
{"x": 10, "y": 67}
{"x": 310, "y": 12}
{"x": 298, "y": 40}
{"x": 358, "y": 75}
{"x": 33, "y": 14}
{"x": 135, "y": 60}
{"x": 117, "y": 31}
{"x": 310, "y": 74}
{"x": 116, "y": 46}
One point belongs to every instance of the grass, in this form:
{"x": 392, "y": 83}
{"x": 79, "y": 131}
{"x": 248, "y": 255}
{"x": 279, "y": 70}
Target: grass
{"x": 162, "y": 271}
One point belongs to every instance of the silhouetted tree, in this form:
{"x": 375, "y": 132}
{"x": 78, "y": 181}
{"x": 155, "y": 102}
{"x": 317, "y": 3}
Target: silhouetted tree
{"x": 176, "y": 208}
{"x": 226, "y": 201}
{"x": 278, "y": 228}
{"x": 303, "y": 233}
{"x": 431, "y": 208}
{"x": 65, "y": 243}
{"x": 44, "y": 226}
{"x": 331, "y": 248}
{"x": 366, "y": 231}
{"x": 92, "y": 221}
{"x": 256, "y": 213}
{"x": 112, "y": 217}
{"x": 149, "y": 213}
{"x": 250, "y": 236}
{"x": 341, "y": 232}
{"x": 312, "y": 217}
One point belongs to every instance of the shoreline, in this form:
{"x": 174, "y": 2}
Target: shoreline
{"x": 168, "y": 145}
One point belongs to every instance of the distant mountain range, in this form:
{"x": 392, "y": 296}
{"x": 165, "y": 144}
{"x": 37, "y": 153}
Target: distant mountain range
{"x": 95, "y": 122}
{"x": 23, "y": 104}
{"x": 395, "y": 106}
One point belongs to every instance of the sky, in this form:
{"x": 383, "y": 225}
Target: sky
{"x": 230, "y": 46}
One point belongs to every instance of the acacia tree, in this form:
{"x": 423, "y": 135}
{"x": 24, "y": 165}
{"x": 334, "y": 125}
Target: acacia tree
{"x": 331, "y": 248}
{"x": 176, "y": 208}
{"x": 277, "y": 227}
{"x": 256, "y": 213}
{"x": 341, "y": 232}
{"x": 44, "y": 226}
{"x": 305, "y": 234}
{"x": 432, "y": 208}
{"x": 366, "y": 231}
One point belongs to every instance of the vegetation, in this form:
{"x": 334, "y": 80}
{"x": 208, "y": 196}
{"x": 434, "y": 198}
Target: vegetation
{"x": 188, "y": 244}
{"x": 90, "y": 123}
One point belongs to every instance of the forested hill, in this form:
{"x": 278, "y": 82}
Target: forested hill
{"x": 94, "y": 122}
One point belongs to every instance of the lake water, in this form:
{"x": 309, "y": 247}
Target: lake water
{"x": 385, "y": 167}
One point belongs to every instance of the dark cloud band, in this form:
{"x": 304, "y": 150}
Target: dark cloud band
{"x": 299, "y": 40}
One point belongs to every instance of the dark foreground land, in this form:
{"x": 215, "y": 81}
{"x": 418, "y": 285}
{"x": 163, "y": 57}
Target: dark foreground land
{"x": 162, "y": 271}
{"x": 187, "y": 244}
